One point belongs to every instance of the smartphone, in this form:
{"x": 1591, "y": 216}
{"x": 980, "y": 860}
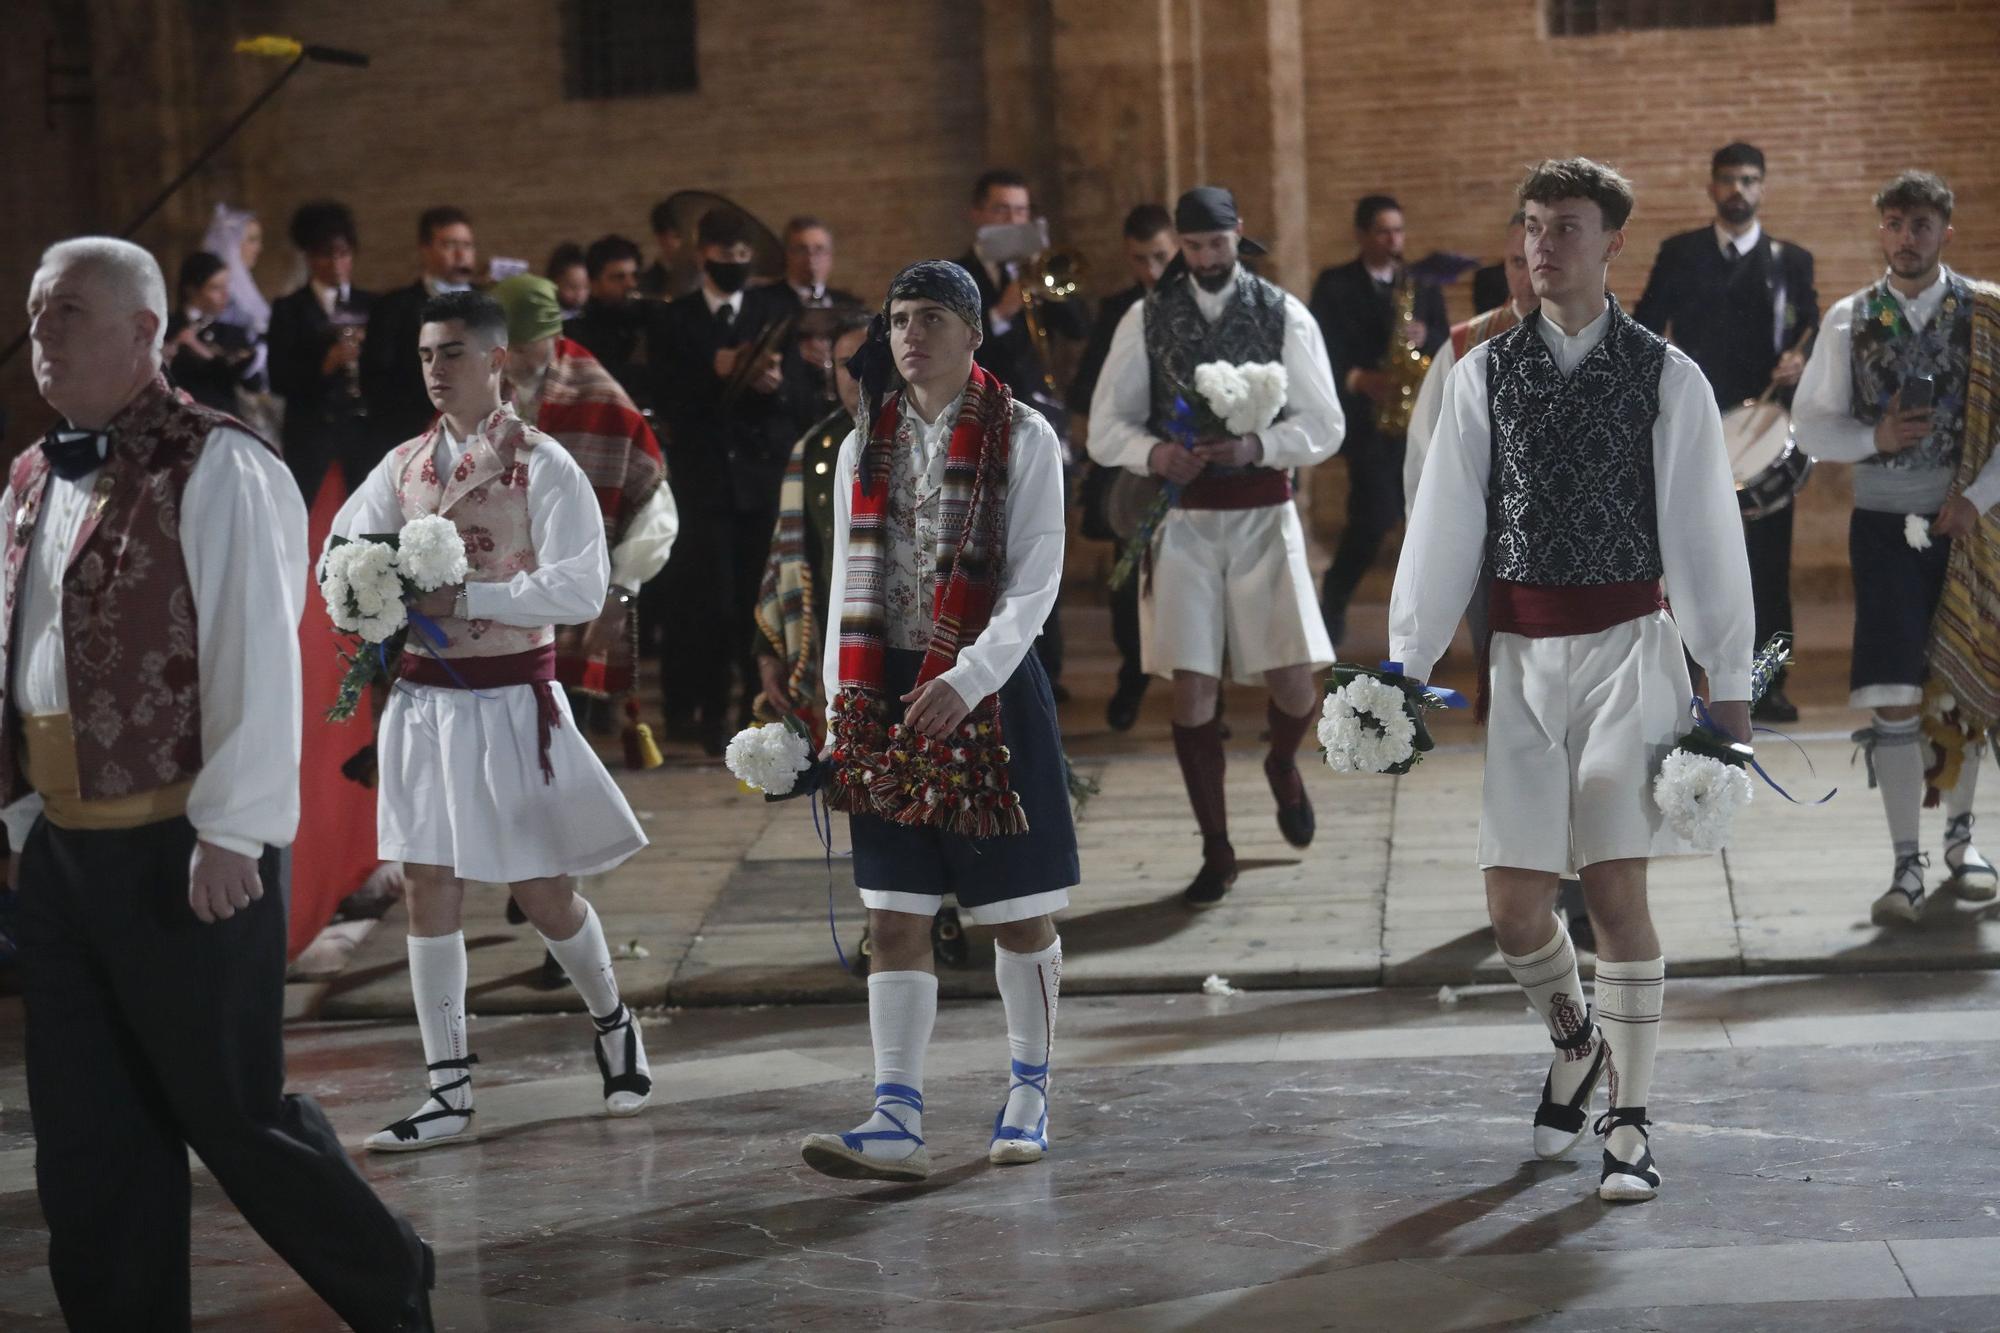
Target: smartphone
{"x": 1917, "y": 394}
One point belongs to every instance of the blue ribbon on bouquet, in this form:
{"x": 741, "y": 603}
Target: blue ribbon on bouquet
{"x": 1708, "y": 722}
{"x": 1447, "y": 697}
{"x": 435, "y": 633}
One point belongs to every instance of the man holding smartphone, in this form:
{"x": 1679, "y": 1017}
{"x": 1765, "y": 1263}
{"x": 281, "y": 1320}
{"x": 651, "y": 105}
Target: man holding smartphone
{"x": 1891, "y": 388}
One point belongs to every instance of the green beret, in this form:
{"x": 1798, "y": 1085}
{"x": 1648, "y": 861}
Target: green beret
{"x": 532, "y": 309}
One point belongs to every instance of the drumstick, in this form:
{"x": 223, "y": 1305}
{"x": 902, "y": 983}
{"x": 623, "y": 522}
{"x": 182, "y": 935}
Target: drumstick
{"x": 1799, "y": 347}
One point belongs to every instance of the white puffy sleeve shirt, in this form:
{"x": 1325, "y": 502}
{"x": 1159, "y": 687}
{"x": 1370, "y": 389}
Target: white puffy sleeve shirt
{"x": 1032, "y": 569}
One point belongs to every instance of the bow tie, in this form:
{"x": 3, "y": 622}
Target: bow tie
{"x": 75, "y": 454}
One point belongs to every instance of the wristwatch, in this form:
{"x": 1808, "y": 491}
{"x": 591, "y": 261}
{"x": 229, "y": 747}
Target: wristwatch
{"x": 622, "y": 596}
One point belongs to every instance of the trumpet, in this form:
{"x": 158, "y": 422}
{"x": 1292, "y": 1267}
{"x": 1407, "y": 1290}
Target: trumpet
{"x": 1049, "y": 278}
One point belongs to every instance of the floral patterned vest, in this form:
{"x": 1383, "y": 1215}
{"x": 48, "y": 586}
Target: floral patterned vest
{"x": 130, "y": 641}
{"x": 486, "y": 496}
{"x": 1887, "y": 351}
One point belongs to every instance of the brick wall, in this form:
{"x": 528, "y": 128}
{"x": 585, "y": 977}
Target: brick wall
{"x": 1446, "y": 105}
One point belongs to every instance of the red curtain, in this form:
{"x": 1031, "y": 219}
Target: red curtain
{"x": 335, "y": 849}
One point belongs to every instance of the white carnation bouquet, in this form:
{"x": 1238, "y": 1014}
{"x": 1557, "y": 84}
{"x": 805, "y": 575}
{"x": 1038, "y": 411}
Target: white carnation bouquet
{"x": 1247, "y": 398}
{"x": 1704, "y": 781}
{"x": 368, "y": 583}
{"x": 1372, "y": 721}
{"x": 770, "y": 758}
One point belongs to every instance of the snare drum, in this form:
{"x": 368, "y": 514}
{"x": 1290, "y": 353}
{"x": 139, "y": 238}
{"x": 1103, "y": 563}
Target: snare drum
{"x": 1764, "y": 457}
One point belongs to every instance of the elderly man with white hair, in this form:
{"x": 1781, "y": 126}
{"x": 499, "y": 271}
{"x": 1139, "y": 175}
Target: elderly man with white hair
{"x": 150, "y": 697}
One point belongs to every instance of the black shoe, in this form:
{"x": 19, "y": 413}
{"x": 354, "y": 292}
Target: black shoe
{"x": 1775, "y": 707}
{"x": 948, "y": 943}
{"x": 1295, "y": 820}
{"x": 552, "y": 976}
{"x": 515, "y": 916}
{"x": 1217, "y": 874}
{"x": 1123, "y": 710}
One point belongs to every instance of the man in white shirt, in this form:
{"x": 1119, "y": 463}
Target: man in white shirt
{"x": 154, "y": 554}
{"x": 1227, "y": 577}
{"x": 484, "y": 774}
{"x": 1890, "y": 388}
{"x": 942, "y": 740}
{"x": 1592, "y": 471}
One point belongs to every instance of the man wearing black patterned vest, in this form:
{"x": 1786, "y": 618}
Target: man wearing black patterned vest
{"x": 154, "y": 568}
{"x": 1580, "y": 458}
{"x": 1901, "y": 384}
{"x": 1226, "y": 577}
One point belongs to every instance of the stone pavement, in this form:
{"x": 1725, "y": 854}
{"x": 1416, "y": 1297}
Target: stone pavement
{"x": 729, "y": 904}
{"x": 1353, "y": 1161}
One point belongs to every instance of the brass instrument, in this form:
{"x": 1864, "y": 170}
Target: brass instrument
{"x": 1050, "y": 278}
{"x": 1404, "y": 367}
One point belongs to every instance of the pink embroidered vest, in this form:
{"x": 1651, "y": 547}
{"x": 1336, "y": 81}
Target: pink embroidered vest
{"x": 130, "y": 641}
{"x": 486, "y": 496}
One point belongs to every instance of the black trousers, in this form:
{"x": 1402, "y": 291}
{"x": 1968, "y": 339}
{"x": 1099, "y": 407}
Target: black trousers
{"x": 691, "y": 604}
{"x": 1125, "y": 634}
{"x": 1374, "y": 509}
{"x": 149, "y": 1033}
{"x": 1768, "y": 541}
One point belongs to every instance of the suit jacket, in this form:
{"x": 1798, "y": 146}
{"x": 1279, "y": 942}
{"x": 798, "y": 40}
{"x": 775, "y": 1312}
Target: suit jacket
{"x": 721, "y": 459}
{"x": 299, "y": 338}
{"x": 392, "y": 381}
{"x": 1725, "y": 315}
{"x": 616, "y": 336}
{"x": 836, "y": 297}
{"x": 1012, "y": 355}
{"x": 1489, "y": 288}
{"x": 1354, "y": 314}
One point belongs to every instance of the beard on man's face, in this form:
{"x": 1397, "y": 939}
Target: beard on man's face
{"x": 1215, "y": 279}
{"x": 1736, "y": 209}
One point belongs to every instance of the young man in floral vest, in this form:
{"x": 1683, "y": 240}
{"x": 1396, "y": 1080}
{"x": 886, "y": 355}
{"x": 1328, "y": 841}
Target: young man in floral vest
{"x": 484, "y": 774}
{"x": 942, "y": 739}
{"x": 1903, "y": 384}
{"x": 1579, "y": 461}
{"x": 154, "y": 565}
{"x": 1227, "y": 578}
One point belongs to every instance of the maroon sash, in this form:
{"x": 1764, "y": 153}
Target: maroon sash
{"x": 1251, "y": 488}
{"x": 1535, "y": 611}
{"x": 535, "y": 668}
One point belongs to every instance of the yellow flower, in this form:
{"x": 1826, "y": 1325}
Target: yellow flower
{"x": 1887, "y": 319}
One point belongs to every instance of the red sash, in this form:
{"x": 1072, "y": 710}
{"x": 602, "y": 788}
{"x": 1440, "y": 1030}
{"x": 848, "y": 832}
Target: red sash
{"x": 535, "y": 668}
{"x": 1252, "y": 488}
{"x": 1536, "y": 611}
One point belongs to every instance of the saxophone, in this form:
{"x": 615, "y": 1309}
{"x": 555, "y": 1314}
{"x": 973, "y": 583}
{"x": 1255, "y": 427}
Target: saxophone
{"x": 1404, "y": 367}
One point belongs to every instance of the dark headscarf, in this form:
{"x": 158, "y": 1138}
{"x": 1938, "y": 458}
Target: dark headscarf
{"x": 874, "y": 365}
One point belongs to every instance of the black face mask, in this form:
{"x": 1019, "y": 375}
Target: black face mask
{"x": 728, "y": 276}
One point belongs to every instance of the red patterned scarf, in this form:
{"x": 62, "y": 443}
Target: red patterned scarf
{"x": 960, "y": 784}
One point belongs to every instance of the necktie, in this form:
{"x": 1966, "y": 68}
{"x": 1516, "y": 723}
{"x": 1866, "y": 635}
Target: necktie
{"x": 725, "y": 316}
{"x": 1730, "y": 255}
{"x": 74, "y": 454}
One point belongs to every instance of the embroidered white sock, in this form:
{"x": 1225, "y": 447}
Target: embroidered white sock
{"x": 437, "y": 985}
{"x": 902, "y": 1007}
{"x": 1958, "y": 810}
{"x": 1629, "y": 998}
{"x": 587, "y": 960}
{"x": 1549, "y": 977}
{"x": 1029, "y": 984}
{"x": 1899, "y": 770}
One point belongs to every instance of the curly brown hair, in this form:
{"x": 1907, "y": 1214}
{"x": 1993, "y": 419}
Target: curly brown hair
{"x": 1579, "y": 178}
{"x": 1916, "y": 189}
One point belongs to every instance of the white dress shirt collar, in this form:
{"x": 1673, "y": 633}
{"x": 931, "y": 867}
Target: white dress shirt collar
{"x": 1212, "y": 304}
{"x": 1569, "y": 349}
{"x": 1744, "y": 244}
{"x": 717, "y": 300}
{"x": 1920, "y": 308}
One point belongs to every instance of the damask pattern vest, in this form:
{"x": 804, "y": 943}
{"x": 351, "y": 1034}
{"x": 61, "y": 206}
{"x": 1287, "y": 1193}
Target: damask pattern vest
{"x": 131, "y": 645}
{"x": 1251, "y": 328}
{"x": 486, "y": 497}
{"x": 1571, "y": 499}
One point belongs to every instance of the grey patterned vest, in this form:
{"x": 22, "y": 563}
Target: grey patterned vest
{"x": 1570, "y": 501}
{"x": 1885, "y": 355}
{"x": 1251, "y": 328}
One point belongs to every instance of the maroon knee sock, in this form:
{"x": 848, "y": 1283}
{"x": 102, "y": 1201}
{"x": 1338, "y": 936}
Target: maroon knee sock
{"x": 1281, "y": 764}
{"x": 1199, "y": 750}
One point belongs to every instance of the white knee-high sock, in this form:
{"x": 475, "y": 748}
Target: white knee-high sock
{"x": 1899, "y": 769}
{"x": 1629, "y": 999}
{"x": 902, "y": 1007}
{"x": 1958, "y": 801}
{"x": 437, "y": 984}
{"x": 1549, "y": 977}
{"x": 1029, "y": 984}
{"x": 587, "y": 960}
